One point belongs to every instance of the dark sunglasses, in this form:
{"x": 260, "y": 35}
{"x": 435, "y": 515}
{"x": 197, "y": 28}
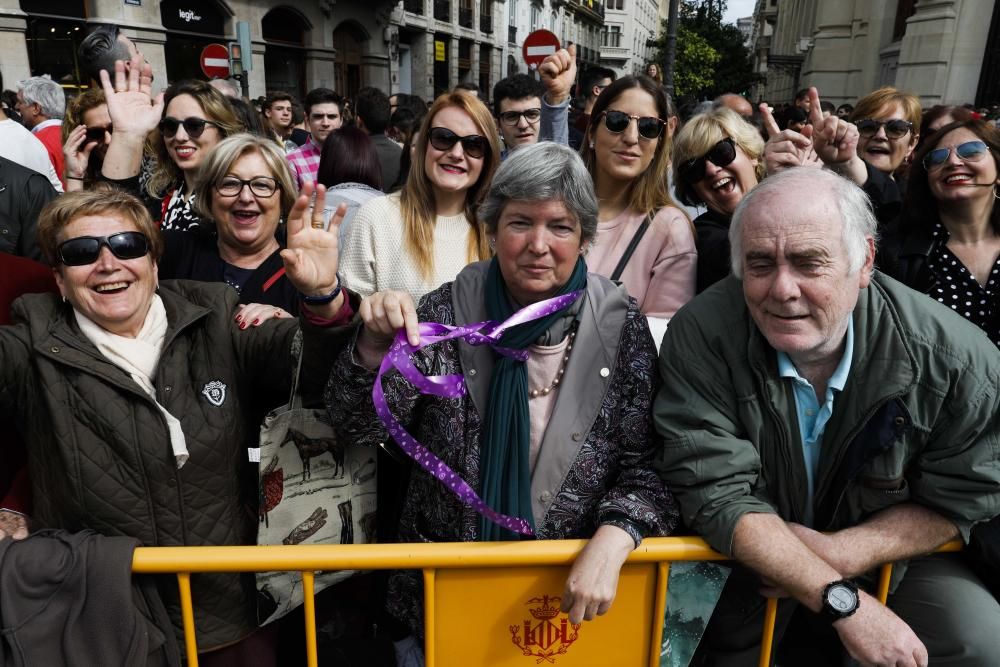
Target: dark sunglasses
{"x": 192, "y": 126}
{"x": 721, "y": 154}
{"x": 474, "y": 145}
{"x": 970, "y": 151}
{"x": 85, "y": 250}
{"x": 894, "y": 129}
{"x": 97, "y": 133}
{"x": 650, "y": 127}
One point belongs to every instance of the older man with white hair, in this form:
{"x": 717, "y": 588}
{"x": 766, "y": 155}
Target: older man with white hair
{"x": 42, "y": 105}
{"x": 820, "y": 419}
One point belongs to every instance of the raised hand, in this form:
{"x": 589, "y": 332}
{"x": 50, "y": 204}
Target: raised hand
{"x": 558, "y": 72}
{"x": 131, "y": 105}
{"x": 312, "y": 256}
{"x": 786, "y": 148}
{"x": 77, "y": 157}
{"x": 835, "y": 140}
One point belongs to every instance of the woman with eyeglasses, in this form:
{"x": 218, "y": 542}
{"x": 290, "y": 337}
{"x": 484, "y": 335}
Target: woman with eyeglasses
{"x": 138, "y": 398}
{"x": 422, "y": 236}
{"x": 643, "y": 239}
{"x": 247, "y": 188}
{"x": 947, "y": 241}
{"x": 718, "y": 159}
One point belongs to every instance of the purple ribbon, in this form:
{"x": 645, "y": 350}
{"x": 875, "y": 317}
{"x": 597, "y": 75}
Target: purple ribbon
{"x": 453, "y": 386}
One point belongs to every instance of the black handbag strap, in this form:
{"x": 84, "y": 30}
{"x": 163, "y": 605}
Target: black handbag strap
{"x": 633, "y": 244}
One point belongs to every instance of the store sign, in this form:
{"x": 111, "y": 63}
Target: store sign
{"x": 192, "y": 16}
{"x": 137, "y": 3}
{"x": 188, "y": 15}
{"x": 438, "y": 51}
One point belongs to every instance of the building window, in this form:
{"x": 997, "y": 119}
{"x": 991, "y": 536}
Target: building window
{"x": 513, "y": 12}
{"x": 612, "y": 36}
{"x": 616, "y": 4}
{"x": 536, "y": 15}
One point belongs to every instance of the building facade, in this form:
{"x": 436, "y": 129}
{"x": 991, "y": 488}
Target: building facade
{"x": 630, "y": 26}
{"x": 944, "y": 51}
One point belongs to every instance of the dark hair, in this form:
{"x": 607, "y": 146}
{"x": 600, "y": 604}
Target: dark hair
{"x": 827, "y": 107}
{"x": 100, "y": 49}
{"x": 322, "y": 96}
{"x": 802, "y": 94}
{"x": 592, "y": 76}
{"x": 298, "y": 113}
{"x": 935, "y": 113}
{"x": 515, "y": 87}
{"x": 249, "y": 117}
{"x": 795, "y": 115}
{"x": 349, "y": 156}
{"x": 849, "y": 108}
{"x": 276, "y": 96}
{"x": 403, "y": 121}
{"x": 413, "y": 103}
{"x": 372, "y": 106}
{"x": 920, "y": 208}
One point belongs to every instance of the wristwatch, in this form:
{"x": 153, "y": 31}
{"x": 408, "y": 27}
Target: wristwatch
{"x": 840, "y": 599}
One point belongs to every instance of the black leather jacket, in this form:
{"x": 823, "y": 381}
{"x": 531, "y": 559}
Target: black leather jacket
{"x": 23, "y": 194}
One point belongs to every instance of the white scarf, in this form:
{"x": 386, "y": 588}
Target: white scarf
{"x": 138, "y": 357}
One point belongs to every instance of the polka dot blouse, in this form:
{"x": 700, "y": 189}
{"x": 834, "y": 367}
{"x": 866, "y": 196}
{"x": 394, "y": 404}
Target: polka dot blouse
{"x": 958, "y": 289}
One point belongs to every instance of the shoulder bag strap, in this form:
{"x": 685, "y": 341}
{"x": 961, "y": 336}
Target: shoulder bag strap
{"x": 633, "y": 244}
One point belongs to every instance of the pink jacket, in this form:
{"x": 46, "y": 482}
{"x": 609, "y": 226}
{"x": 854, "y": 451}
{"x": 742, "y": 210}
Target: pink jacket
{"x": 662, "y": 272}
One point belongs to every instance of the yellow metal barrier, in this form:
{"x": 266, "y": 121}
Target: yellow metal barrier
{"x": 463, "y": 586}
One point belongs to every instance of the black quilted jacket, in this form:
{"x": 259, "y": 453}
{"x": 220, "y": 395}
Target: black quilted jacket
{"x": 98, "y": 449}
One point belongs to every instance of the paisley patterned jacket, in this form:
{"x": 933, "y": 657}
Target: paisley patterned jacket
{"x": 594, "y": 466}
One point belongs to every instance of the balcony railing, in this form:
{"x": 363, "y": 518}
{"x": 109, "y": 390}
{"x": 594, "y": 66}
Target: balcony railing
{"x": 465, "y": 17}
{"x": 486, "y": 23}
{"x": 512, "y": 34}
{"x": 414, "y": 6}
{"x": 442, "y": 10}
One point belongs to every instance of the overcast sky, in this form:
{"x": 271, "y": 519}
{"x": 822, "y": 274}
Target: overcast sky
{"x": 736, "y": 9}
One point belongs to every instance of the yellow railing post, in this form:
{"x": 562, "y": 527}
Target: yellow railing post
{"x": 309, "y": 609}
{"x": 187, "y": 617}
{"x": 429, "y": 629}
{"x": 767, "y": 639}
{"x": 659, "y": 611}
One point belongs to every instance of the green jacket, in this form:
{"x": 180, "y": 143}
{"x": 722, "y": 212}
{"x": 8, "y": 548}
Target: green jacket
{"x": 918, "y": 419}
{"x": 99, "y": 454}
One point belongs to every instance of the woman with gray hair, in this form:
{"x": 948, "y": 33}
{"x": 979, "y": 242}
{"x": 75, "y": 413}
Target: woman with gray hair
{"x": 559, "y": 441}
{"x": 248, "y": 190}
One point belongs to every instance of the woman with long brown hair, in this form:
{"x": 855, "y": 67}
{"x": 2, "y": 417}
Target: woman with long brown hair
{"x": 421, "y": 237}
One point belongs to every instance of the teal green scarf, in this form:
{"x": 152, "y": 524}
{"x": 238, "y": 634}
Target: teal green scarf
{"x": 503, "y": 460}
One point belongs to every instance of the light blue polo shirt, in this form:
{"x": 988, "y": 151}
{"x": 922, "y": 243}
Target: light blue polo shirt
{"x": 812, "y": 416}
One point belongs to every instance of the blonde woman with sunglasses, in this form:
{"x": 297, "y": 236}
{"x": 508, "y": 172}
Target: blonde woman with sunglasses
{"x": 643, "y": 239}
{"x": 421, "y": 237}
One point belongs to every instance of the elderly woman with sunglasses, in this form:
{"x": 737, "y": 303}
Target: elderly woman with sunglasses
{"x": 422, "y": 236}
{"x": 181, "y": 126}
{"x": 643, "y": 239}
{"x": 718, "y": 159}
{"x": 247, "y": 188}
{"x": 137, "y": 399}
{"x": 562, "y": 441}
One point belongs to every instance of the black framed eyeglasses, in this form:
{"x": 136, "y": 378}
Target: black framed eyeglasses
{"x": 721, "y": 154}
{"x": 650, "y": 127}
{"x": 512, "y": 118}
{"x": 260, "y": 186}
{"x": 84, "y": 250}
{"x": 443, "y": 139}
{"x": 969, "y": 151}
{"x": 194, "y": 127}
{"x": 894, "y": 129}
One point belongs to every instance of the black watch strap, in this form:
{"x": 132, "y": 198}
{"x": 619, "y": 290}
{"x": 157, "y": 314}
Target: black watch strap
{"x": 840, "y": 599}
{"x": 323, "y": 300}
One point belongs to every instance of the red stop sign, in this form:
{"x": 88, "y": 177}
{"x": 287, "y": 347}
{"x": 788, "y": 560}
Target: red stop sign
{"x": 539, "y": 45}
{"x": 215, "y": 61}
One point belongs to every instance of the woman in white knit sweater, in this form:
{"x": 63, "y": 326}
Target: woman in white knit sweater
{"x": 422, "y": 236}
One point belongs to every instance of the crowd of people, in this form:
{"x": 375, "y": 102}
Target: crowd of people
{"x": 772, "y": 327}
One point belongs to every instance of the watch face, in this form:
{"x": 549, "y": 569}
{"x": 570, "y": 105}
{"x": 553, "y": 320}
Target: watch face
{"x": 842, "y": 599}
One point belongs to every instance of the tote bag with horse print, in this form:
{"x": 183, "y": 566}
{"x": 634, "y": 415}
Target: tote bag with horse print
{"x": 314, "y": 489}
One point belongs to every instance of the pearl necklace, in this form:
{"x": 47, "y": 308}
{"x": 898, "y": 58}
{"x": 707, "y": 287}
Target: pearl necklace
{"x": 545, "y": 391}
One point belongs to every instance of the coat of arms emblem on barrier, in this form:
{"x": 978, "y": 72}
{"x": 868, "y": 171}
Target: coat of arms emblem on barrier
{"x": 547, "y": 636}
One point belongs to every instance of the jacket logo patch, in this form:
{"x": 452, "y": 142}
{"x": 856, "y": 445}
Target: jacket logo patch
{"x": 215, "y": 392}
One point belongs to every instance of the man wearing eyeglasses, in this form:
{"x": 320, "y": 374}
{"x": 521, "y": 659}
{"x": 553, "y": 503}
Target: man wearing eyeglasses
{"x": 517, "y": 106}
{"x": 322, "y": 117}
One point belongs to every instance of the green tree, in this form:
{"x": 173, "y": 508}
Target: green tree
{"x": 696, "y": 63}
{"x": 700, "y": 21}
